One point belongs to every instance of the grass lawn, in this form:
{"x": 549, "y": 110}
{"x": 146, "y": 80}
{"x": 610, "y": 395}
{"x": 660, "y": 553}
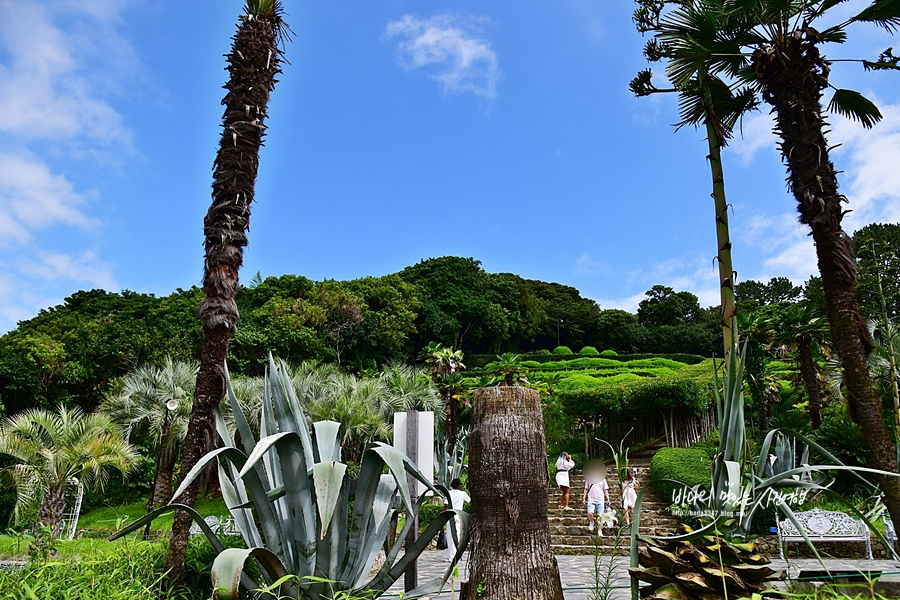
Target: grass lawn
{"x": 16, "y": 548}
{"x": 108, "y": 518}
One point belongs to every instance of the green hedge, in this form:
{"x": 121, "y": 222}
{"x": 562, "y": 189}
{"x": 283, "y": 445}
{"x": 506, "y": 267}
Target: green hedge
{"x": 609, "y": 353}
{"x": 477, "y": 361}
{"x": 690, "y": 466}
{"x": 637, "y": 396}
{"x": 562, "y": 350}
{"x": 589, "y": 351}
{"x": 428, "y": 513}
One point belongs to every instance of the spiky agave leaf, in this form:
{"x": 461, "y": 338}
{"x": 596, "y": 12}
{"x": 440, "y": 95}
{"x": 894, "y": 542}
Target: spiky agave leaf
{"x": 289, "y": 496}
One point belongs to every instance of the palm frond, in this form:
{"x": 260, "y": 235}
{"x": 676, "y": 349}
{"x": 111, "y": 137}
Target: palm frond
{"x": 884, "y": 13}
{"x": 886, "y": 61}
{"x": 854, "y": 105}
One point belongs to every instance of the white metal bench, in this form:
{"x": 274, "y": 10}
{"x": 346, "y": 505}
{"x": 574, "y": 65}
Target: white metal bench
{"x": 890, "y": 534}
{"x": 824, "y": 526}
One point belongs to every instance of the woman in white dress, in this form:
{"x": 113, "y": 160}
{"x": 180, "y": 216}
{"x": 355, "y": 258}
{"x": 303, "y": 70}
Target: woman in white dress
{"x": 629, "y": 494}
{"x": 563, "y": 465}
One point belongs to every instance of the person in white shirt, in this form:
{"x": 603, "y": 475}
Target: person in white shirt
{"x": 457, "y": 499}
{"x": 563, "y": 465}
{"x": 596, "y": 495}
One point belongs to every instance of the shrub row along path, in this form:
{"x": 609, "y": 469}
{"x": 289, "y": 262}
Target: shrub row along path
{"x": 569, "y": 528}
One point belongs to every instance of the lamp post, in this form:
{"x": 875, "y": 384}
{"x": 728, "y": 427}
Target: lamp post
{"x": 171, "y": 407}
{"x": 558, "y": 323}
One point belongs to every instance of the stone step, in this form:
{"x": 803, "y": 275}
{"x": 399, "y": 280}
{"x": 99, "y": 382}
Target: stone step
{"x": 581, "y": 530}
{"x": 655, "y": 522}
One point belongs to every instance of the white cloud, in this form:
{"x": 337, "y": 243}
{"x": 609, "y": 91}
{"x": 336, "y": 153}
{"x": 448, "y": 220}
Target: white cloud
{"x": 60, "y": 62}
{"x": 586, "y": 265}
{"x": 754, "y": 135}
{"x": 86, "y": 268}
{"x": 44, "y": 92}
{"x": 869, "y": 159}
{"x": 697, "y": 275}
{"x": 629, "y": 303}
{"x": 32, "y": 198}
{"x": 456, "y": 57}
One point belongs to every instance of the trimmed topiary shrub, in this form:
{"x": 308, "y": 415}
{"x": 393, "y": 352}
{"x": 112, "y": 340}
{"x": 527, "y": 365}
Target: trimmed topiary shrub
{"x": 541, "y": 352}
{"x": 690, "y": 466}
{"x": 562, "y": 350}
{"x": 589, "y": 351}
{"x": 609, "y": 353}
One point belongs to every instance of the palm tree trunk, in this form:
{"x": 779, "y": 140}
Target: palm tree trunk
{"x": 508, "y": 478}
{"x": 253, "y": 64}
{"x": 451, "y": 420}
{"x": 810, "y": 381}
{"x": 727, "y": 310}
{"x": 53, "y": 509}
{"x": 793, "y": 77}
{"x": 162, "y": 484}
{"x": 161, "y": 492}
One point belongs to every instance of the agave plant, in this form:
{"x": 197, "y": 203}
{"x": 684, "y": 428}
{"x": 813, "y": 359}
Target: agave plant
{"x": 289, "y": 495}
{"x": 718, "y": 557}
{"x": 449, "y": 463}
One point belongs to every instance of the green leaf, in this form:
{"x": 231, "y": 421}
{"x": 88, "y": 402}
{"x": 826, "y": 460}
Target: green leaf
{"x": 854, "y": 105}
{"x": 885, "y": 13}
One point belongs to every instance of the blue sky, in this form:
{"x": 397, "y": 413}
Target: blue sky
{"x": 399, "y": 131}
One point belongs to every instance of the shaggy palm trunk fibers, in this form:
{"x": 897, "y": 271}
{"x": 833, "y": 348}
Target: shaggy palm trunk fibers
{"x": 793, "y": 77}
{"x": 511, "y": 556}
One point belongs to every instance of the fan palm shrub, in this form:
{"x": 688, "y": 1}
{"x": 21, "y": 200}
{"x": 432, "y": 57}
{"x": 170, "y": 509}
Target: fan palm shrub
{"x": 52, "y": 452}
{"x": 154, "y": 402}
{"x": 289, "y": 494}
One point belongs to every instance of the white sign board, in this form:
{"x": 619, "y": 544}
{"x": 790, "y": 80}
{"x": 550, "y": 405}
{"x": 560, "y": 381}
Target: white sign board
{"x": 420, "y": 450}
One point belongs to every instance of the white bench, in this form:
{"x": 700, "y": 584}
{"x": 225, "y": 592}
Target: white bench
{"x": 824, "y": 526}
{"x": 890, "y": 534}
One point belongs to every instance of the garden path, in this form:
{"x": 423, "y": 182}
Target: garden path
{"x": 578, "y": 574}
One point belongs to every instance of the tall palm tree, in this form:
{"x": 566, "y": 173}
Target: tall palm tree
{"x": 704, "y": 99}
{"x": 801, "y": 329}
{"x": 774, "y": 46}
{"x": 54, "y": 451}
{"x": 156, "y": 402}
{"x": 444, "y": 362}
{"x": 253, "y": 64}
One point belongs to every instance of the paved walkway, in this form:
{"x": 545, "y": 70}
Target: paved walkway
{"x": 579, "y": 580}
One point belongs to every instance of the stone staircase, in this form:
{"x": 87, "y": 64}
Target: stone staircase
{"x": 569, "y": 528}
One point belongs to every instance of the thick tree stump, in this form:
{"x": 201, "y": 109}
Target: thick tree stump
{"x": 511, "y": 556}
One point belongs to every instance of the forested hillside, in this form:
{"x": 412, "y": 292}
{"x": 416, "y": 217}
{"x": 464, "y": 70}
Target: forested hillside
{"x": 72, "y": 353}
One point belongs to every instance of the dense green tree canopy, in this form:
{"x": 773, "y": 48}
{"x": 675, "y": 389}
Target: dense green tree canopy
{"x": 877, "y": 249}
{"x": 73, "y": 353}
{"x": 752, "y": 294}
{"x": 665, "y": 306}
